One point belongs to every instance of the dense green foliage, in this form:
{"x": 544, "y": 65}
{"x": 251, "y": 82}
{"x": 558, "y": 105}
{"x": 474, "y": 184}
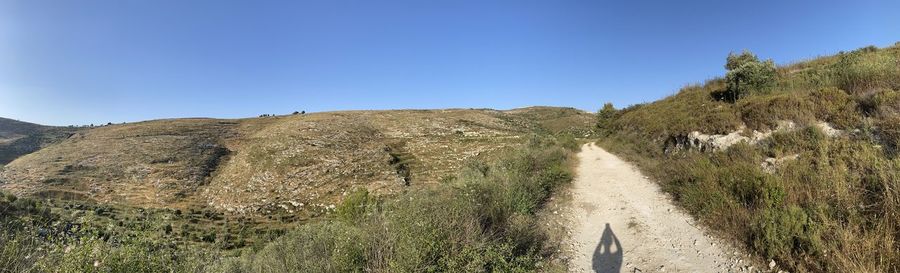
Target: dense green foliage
{"x": 482, "y": 220}
{"x": 747, "y": 74}
{"x": 827, "y": 203}
{"x": 605, "y": 118}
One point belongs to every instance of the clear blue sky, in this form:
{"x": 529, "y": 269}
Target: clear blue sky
{"x": 78, "y": 62}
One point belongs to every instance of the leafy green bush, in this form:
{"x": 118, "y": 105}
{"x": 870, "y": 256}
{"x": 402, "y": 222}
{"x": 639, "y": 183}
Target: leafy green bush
{"x": 605, "y": 118}
{"x": 735, "y": 61}
{"x": 747, "y": 74}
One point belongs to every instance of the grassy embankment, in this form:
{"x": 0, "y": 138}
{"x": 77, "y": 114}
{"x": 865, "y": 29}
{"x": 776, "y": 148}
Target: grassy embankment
{"x": 830, "y": 204}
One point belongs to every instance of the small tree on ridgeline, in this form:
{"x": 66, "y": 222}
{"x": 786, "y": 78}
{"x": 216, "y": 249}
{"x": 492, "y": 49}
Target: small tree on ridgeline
{"x": 605, "y": 118}
{"x": 747, "y": 74}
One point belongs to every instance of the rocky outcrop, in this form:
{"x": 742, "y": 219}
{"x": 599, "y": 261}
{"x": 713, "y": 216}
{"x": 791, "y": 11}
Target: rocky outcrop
{"x": 715, "y": 142}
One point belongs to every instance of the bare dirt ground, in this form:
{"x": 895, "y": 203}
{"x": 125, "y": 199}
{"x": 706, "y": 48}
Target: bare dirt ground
{"x": 624, "y": 223}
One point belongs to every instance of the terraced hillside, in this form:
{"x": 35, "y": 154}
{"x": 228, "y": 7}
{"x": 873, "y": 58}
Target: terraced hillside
{"x": 297, "y": 164}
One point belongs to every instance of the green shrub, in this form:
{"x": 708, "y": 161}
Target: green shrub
{"x": 786, "y": 143}
{"x": 746, "y": 74}
{"x": 836, "y": 107}
{"x": 735, "y": 61}
{"x": 95, "y": 255}
{"x": 355, "y": 205}
{"x": 18, "y": 252}
{"x": 764, "y": 112}
{"x": 783, "y": 232}
{"x": 605, "y": 118}
{"x": 316, "y": 247}
{"x": 567, "y": 141}
{"x": 750, "y": 187}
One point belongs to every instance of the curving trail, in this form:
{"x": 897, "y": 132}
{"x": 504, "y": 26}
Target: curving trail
{"x": 623, "y": 223}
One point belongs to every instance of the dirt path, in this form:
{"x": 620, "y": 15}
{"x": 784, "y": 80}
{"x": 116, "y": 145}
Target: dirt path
{"x": 623, "y": 223}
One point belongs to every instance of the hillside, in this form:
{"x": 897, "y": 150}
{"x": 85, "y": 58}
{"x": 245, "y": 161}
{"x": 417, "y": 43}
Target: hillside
{"x": 798, "y": 163}
{"x": 18, "y": 138}
{"x": 10, "y": 128}
{"x": 300, "y": 165}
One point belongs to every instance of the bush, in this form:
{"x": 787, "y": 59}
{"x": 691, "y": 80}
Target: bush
{"x": 735, "y": 61}
{"x": 606, "y": 118}
{"x": 315, "y": 247}
{"x": 18, "y": 252}
{"x": 355, "y": 205}
{"x": 746, "y": 74}
{"x": 749, "y": 186}
{"x": 836, "y": 107}
{"x": 95, "y": 255}
{"x": 764, "y": 112}
{"x": 785, "y": 232}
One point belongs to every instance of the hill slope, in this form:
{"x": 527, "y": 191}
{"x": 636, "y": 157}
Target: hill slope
{"x": 19, "y": 138}
{"x": 802, "y": 167}
{"x": 299, "y": 164}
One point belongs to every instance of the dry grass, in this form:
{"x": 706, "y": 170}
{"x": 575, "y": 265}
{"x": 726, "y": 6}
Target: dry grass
{"x": 300, "y": 165}
{"x": 482, "y": 219}
{"x": 832, "y": 205}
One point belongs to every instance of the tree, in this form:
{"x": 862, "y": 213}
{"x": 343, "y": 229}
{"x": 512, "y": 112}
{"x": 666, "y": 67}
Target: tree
{"x": 605, "y": 118}
{"x": 734, "y": 61}
{"x": 746, "y": 74}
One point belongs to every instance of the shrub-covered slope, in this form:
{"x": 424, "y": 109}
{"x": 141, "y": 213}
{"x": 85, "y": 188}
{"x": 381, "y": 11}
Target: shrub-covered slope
{"x": 480, "y": 219}
{"x": 297, "y": 165}
{"x": 800, "y": 162}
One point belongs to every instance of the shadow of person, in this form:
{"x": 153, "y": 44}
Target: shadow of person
{"x": 605, "y": 260}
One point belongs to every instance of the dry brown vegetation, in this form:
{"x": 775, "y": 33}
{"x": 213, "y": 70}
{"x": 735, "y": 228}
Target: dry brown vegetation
{"x": 479, "y": 216}
{"x": 300, "y": 165}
